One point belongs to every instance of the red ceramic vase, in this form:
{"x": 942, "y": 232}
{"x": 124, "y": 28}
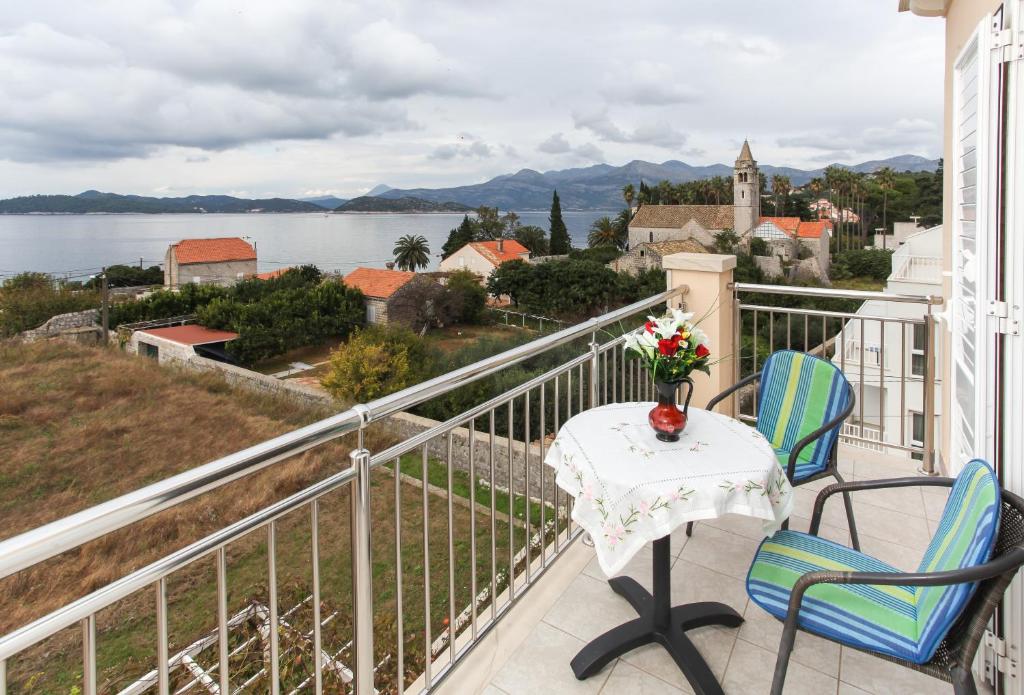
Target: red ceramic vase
{"x": 666, "y": 419}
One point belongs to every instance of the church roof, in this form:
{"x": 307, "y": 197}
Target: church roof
{"x": 664, "y": 248}
{"x": 745, "y": 155}
{"x": 710, "y": 217}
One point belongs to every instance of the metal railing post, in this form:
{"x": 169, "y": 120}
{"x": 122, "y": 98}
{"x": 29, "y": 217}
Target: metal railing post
{"x": 737, "y": 349}
{"x": 928, "y": 407}
{"x": 362, "y": 579}
{"x": 595, "y": 356}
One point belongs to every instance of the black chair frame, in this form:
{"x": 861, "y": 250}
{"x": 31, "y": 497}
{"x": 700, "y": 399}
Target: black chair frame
{"x": 831, "y": 469}
{"x": 955, "y": 654}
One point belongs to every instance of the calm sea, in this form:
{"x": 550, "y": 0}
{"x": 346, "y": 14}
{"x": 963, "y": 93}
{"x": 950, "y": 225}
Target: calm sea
{"x": 78, "y": 245}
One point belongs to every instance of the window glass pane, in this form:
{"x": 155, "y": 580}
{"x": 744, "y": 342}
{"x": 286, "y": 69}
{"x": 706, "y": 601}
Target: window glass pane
{"x": 917, "y": 365}
{"x": 917, "y": 427}
{"x": 919, "y": 336}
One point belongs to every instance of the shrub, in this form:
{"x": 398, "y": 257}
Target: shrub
{"x": 467, "y": 296}
{"x": 377, "y": 361}
{"x": 869, "y": 263}
{"x": 30, "y": 299}
{"x": 759, "y": 247}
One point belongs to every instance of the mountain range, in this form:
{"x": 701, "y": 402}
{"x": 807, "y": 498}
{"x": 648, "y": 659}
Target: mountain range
{"x": 600, "y": 186}
{"x": 97, "y": 202}
{"x": 369, "y": 203}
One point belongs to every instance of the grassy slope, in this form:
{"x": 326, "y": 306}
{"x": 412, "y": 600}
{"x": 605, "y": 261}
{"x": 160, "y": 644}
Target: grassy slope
{"x": 79, "y": 426}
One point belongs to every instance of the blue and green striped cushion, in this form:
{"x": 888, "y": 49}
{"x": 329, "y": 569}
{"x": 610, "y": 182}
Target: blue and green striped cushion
{"x": 799, "y": 393}
{"x": 964, "y": 538}
{"x": 904, "y": 622}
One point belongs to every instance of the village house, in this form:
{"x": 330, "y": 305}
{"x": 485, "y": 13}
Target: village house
{"x": 390, "y": 294}
{"x": 648, "y": 255}
{"x": 654, "y": 223}
{"x": 825, "y": 209}
{"x": 794, "y": 241}
{"x": 482, "y": 257}
{"x": 223, "y": 261}
{"x": 181, "y": 343}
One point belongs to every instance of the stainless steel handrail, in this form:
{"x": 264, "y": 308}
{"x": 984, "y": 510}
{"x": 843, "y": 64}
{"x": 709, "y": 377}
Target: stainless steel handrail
{"x": 828, "y": 293}
{"x": 44, "y": 542}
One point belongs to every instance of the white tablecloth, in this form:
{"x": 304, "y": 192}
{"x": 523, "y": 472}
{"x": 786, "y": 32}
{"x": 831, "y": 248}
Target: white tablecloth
{"x": 631, "y": 488}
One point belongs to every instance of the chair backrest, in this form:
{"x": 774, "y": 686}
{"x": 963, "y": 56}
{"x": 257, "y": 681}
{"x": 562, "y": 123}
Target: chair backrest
{"x": 965, "y": 537}
{"x": 798, "y": 394}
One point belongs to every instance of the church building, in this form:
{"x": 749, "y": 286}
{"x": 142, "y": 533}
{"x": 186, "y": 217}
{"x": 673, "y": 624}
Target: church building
{"x": 656, "y": 223}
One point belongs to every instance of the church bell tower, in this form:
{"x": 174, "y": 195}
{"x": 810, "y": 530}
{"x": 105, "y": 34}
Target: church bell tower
{"x": 746, "y": 192}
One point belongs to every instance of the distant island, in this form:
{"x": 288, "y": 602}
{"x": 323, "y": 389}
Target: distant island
{"x": 405, "y": 204}
{"x": 93, "y": 202}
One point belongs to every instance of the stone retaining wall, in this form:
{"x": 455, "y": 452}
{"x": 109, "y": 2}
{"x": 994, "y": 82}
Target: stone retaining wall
{"x": 60, "y": 323}
{"x": 254, "y": 381}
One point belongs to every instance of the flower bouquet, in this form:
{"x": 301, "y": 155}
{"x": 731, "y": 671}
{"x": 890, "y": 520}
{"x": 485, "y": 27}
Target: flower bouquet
{"x": 670, "y": 348}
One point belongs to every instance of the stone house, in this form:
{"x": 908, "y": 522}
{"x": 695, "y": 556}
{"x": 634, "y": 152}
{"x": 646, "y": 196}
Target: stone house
{"x": 648, "y": 255}
{"x": 390, "y": 294}
{"x": 223, "y": 261}
{"x": 181, "y": 343}
{"x": 653, "y": 223}
{"x": 482, "y": 257}
{"x": 789, "y": 238}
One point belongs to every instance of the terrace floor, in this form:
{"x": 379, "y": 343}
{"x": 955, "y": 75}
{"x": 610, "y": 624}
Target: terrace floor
{"x": 529, "y": 651}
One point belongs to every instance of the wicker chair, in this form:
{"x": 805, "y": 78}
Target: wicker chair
{"x": 955, "y": 653}
{"x": 779, "y": 369}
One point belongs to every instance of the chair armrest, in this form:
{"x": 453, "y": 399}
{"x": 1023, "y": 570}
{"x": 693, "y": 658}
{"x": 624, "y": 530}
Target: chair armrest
{"x": 729, "y": 391}
{"x": 827, "y": 427}
{"x": 855, "y": 485}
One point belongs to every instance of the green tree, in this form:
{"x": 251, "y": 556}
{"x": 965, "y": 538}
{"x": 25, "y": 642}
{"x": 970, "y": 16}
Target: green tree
{"x": 459, "y": 237}
{"x": 726, "y": 241}
{"x": 605, "y": 232}
{"x": 411, "y": 252}
{"x": 377, "y": 361}
{"x": 759, "y": 247}
{"x": 468, "y": 297}
{"x": 629, "y": 195}
{"x": 560, "y": 243}
{"x": 886, "y": 179}
{"x": 534, "y": 238}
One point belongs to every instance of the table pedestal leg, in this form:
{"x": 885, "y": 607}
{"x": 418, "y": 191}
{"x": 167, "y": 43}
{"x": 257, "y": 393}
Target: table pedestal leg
{"x": 659, "y": 622}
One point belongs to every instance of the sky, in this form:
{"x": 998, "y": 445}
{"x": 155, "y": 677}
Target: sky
{"x": 327, "y": 97}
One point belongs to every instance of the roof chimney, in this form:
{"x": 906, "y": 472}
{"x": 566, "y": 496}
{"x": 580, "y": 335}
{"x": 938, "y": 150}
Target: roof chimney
{"x": 390, "y": 265}
{"x": 501, "y": 246}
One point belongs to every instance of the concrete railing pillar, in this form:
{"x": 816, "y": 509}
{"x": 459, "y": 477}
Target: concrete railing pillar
{"x": 708, "y": 277}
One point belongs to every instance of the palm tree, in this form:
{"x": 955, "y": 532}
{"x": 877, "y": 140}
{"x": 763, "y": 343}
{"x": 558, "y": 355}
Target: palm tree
{"x": 605, "y": 232}
{"x": 411, "y": 252}
{"x": 629, "y": 194}
{"x": 886, "y": 179}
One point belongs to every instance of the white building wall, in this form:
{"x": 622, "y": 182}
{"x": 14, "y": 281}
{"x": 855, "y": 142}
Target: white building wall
{"x": 467, "y": 258}
{"x": 167, "y": 350}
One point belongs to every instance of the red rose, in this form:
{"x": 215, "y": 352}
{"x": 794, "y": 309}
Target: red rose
{"x": 649, "y": 327}
{"x": 702, "y": 351}
{"x": 667, "y": 347}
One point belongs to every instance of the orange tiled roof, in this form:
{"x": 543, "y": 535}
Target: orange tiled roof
{"x": 272, "y": 274}
{"x": 813, "y": 230}
{"x": 710, "y": 217}
{"x": 511, "y": 250}
{"x": 213, "y": 250}
{"x": 191, "y": 334}
{"x": 377, "y": 282}
{"x": 787, "y": 224}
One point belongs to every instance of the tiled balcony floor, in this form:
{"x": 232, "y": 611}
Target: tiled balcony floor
{"x": 528, "y": 653}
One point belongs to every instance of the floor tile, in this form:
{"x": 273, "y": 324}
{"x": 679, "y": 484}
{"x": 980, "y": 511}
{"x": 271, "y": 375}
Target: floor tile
{"x": 541, "y": 666}
{"x": 899, "y": 556}
{"x": 692, "y": 582}
{"x": 764, "y": 630}
{"x": 834, "y": 513}
{"x": 721, "y": 551}
{"x": 714, "y": 644}
{"x": 629, "y": 679}
{"x": 639, "y": 568}
{"x": 588, "y": 608}
{"x": 934, "y": 504}
{"x": 883, "y": 677}
{"x": 751, "y": 668}
{"x": 885, "y": 524}
{"x": 907, "y": 500}
{"x": 847, "y": 689}
{"x": 492, "y": 690}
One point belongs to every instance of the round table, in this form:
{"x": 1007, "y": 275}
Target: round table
{"x": 631, "y": 489}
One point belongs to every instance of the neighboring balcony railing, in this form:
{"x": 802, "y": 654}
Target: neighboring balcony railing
{"x": 397, "y": 625}
{"x": 859, "y": 344}
{"x": 917, "y": 268}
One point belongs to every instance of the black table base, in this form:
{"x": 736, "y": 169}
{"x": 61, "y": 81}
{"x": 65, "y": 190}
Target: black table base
{"x": 659, "y": 622}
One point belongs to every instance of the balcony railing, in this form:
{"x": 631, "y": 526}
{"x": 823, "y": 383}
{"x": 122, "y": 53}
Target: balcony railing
{"x": 402, "y": 623}
{"x": 918, "y": 268}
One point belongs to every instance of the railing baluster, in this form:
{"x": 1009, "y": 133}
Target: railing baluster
{"x": 88, "y": 656}
{"x": 494, "y": 523}
{"x": 511, "y": 512}
{"x": 903, "y": 382}
{"x": 881, "y": 383}
{"x": 275, "y": 646}
{"x": 223, "y": 667}
{"x": 472, "y": 526}
{"x": 771, "y": 332}
{"x": 861, "y": 385}
{"x": 314, "y": 547}
{"x": 162, "y": 675}
{"x": 789, "y": 331}
{"x": 362, "y": 573}
{"x": 451, "y": 556}
{"x": 3, "y": 677}
{"x": 526, "y": 477}
{"x": 428, "y": 666}
{"x": 807, "y": 331}
{"x": 399, "y": 604}
{"x": 555, "y": 430}
{"x": 543, "y": 495}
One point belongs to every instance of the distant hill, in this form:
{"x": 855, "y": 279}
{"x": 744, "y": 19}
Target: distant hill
{"x": 97, "y": 202}
{"x": 600, "y": 186}
{"x": 368, "y": 203}
{"x": 380, "y": 188}
{"x": 328, "y": 202}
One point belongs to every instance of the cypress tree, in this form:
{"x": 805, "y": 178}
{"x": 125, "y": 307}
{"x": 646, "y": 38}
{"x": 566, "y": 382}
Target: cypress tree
{"x": 559, "y": 244}
{"x": 459, "y": 237}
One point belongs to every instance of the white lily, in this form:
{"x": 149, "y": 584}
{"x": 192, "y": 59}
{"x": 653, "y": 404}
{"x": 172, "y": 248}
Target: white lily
{"x": 681, "y": 316}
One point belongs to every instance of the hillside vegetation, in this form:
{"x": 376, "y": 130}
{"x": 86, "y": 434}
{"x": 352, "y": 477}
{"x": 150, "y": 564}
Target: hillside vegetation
{"x": 408, "y": 204}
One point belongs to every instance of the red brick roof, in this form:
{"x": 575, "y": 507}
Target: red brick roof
{"x": 272, "y": 274}
{"x": 191, "y": 334}
{"x": 376, "y": 282}
{"x": 213, "y": 250}
{"x": 787, "y": 224}
{"x": 813, "y": 230}
{"x": 511, "y": 250}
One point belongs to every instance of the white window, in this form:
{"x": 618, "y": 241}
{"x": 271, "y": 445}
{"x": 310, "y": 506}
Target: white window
{"x": 917, "y": 349}
{"x": 916, "y": 432}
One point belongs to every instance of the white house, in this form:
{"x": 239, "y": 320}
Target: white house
{"x": 886, "y": 350}
{"x": 788, "y": 235}
{"x": 482, "y": 257}
{"x": 223, "y": 261}
{"x": 181, "y": 343}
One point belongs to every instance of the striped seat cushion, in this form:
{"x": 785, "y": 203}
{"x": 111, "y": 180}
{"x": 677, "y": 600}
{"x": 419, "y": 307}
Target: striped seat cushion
{"x": 904, "y": 622}
{"x": 798, "y": 394}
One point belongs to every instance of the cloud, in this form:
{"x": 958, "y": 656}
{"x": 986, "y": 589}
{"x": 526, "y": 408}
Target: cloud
{"x": 903, "y": 134}
{"x": 647, "y": 83}
{"x": 659, "y": 134}
{"x": 744, "y": 48}
{"x": 557, "y": 144}
{"x": 469, "y": 146}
